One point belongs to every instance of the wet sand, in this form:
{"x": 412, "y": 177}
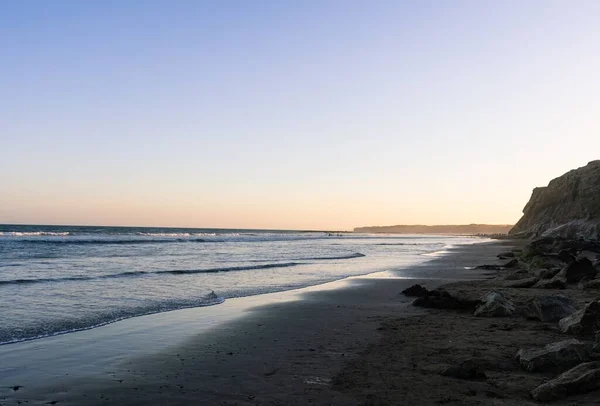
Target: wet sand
{"x": 289, "y": 348}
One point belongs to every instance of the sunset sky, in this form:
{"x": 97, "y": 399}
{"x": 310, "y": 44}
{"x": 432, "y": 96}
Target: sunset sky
{"x": 292, "y": 114}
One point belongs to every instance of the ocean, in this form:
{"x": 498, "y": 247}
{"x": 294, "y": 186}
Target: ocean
{"x": 61, "y": 279}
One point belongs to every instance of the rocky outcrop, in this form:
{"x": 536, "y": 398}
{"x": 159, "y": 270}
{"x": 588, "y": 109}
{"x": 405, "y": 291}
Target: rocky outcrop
{"x": 555, "y": 357}
{"x": 568, "y": 207}
{"x": 583, "y": 378}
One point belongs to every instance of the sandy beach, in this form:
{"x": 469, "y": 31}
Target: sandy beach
{"x": 284, "y": 348}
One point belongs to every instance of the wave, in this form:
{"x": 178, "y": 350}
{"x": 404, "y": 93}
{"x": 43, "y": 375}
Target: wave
{"x": 32, "y": 233}
{"x": 397, "y": 243}
{"x": 112, "y": 241}
{"x": 349, "y": 256}
{"x": 142, "y": 273}
{"x": 210, "y": 299}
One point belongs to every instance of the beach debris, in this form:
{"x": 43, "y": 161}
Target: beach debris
{"x": 584, "y": 321}
{"x": 555, "y": 357}
{"x": 557, "y": 282}
{"x": 521, "y": 283}
{"x": 495, "y": 305}
{"x": 468, "y": 369}
{"x": 578, "y": 270}
{"x": 441, "y": 299}
{"x": 580, "y": 379}
{"x": 16, "y": 387}
{"x": 416, "y": 290}
{"x": 549, "y": 308}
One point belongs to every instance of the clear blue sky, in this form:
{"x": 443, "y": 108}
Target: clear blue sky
{"x": 291, "y": 114}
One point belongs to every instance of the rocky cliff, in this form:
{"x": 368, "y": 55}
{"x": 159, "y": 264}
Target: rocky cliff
{"x": 568, "y": 207}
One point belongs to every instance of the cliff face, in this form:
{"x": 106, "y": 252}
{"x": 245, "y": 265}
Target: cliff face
{"x": 568, "y": 207}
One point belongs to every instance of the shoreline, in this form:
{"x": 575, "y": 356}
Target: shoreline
{"x": 352, "y": 309}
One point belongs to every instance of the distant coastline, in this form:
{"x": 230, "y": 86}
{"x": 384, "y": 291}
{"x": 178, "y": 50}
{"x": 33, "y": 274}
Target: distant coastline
{"x": 461, "y": 229}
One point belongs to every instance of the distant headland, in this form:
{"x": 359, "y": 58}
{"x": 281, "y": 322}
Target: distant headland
{"x": 466, "y": 229}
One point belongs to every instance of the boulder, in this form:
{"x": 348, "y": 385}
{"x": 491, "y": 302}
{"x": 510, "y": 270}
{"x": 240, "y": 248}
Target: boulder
{"x": 441, "y": 299}
{"x": 596, "y": 345}
{"x": 549, "y": 308}
{"x": 507, "y": 254}
{"x": 495, "y": 305}
{"x": 584, "y": 321}
{"x": 555, "y": 357}
{"x": 521, "y": 283}
{"x": 549, "y": 273}
{"x": 468, "y": 369}
{"x": 578, "y": 270}
{"x": 416, "y": 290}
{"x": 583, "y": 378}
{"x": 566, "y": 255}
{"x": 557, "y": 282}
{"x": 589, "y": 285}
{"x": 513, "y": 263}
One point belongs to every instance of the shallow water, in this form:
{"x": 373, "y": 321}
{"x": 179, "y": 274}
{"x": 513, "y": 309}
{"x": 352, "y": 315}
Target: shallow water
{"x": 60, "y": 279}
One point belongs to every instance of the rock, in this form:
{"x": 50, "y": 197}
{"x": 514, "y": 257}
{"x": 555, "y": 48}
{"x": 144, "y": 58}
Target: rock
{"x": 557, "y": 282}
{"x": 583, "y": 378}
{"x": 416, "y": 290}
{"x": 596, "y": 345}
{"x": 440, "y": 299}
{"x": 495, "y": 305}
{"x": 568, "y": 207}
{"x": 589, "y": 285}
{"x": 505, "y": 255}
{"x": 549, "y": 273}
{"x": 513, "y": 263}
{"x": 584, "y": 321}
{"x": 468, "y": 369}
{"x": 578, "y": 270}
{"x": 549, "y": 308}
{"x": 566, "y": 255}
{"x": 521, "y": 283}
{"x": 555, "y": 357}
{"x": 490, "y": 267}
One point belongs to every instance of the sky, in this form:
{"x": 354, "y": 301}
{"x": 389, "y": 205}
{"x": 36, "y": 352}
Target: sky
{"x": 292, "y": 114}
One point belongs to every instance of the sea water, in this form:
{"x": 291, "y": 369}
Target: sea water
{"x": 59, "y": 279}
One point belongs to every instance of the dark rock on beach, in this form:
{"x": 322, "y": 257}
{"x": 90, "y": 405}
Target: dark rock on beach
{"x": 578, "y": 270}
{"x": 549, "y": 308}
{"x": 583, "y": 378}
{"x": 555, "y": 357}
{"x": 521, "y": 283}
{"x": 441, "y": 299}
{"x": 416, "y": 291}
{"x": 585, "y": 321}
{"x": 557, "y": 282}
{"x": 513, "y": 263}
{"x": 495, "y": 305}
{"x": 505, "y": 255}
